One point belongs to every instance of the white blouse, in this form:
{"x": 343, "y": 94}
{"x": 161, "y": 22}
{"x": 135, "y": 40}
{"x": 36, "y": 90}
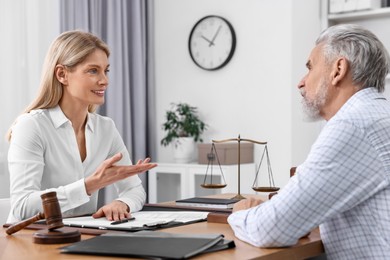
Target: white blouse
{"x": 43, "y": 156}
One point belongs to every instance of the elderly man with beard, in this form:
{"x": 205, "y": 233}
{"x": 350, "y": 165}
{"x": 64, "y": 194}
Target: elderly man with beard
{"x": 344, "y": 184}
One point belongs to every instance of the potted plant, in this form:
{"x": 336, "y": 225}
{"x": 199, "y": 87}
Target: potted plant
{"x": 183, "y": 128}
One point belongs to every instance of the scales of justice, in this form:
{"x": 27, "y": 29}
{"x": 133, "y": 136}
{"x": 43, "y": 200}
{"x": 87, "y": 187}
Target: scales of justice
{"x": 213, "y": 156}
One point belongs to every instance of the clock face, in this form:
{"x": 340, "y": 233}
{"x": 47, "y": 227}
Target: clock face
{"x": 212, "y": 42}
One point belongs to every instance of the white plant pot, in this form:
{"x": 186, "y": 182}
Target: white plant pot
{"x": 184, "y": 150}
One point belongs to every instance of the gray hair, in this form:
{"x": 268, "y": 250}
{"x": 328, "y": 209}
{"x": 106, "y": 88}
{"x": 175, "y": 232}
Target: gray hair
{"x": 366, "y": 55}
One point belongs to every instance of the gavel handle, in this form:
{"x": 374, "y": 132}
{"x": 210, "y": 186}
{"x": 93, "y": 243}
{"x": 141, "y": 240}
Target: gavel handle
{"x": 18, "y": 226}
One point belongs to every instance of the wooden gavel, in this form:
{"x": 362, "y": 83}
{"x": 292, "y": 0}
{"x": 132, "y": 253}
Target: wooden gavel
{"x": 52, "y": 214}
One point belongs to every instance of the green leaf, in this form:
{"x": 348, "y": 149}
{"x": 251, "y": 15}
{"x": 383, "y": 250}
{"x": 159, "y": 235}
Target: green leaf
{"x": 182, "y": 121}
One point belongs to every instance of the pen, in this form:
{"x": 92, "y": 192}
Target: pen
{"x": 122, "y": 221}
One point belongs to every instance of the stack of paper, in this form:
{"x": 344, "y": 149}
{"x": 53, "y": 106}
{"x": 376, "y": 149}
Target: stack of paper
{"x": 143, "y": 220}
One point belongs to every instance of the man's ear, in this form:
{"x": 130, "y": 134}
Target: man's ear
{"x": 61, "y": 74}
{"x": 339, "y": 70}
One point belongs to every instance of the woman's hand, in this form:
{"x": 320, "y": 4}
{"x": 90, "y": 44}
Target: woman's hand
{"x": 108, "y": 173}
{"x": 114, "y": 211}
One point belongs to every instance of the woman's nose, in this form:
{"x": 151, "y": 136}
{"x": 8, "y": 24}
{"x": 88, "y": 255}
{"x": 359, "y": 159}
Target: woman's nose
{"x": 103, "y": 80}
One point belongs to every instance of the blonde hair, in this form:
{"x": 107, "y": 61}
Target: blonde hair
{"x": 69, "y": 49}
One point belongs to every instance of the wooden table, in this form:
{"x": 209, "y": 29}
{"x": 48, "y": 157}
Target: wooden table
{"x": 20, "y": 245}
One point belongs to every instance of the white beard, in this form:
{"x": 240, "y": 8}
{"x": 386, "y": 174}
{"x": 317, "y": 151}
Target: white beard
{"x": 312, "y": 107}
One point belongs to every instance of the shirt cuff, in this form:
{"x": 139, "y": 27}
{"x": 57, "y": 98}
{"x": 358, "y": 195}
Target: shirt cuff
{"x": 76, "y": 194}
{"x": 130, "y": 203}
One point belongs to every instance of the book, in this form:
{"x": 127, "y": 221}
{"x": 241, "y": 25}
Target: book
{"x": 207, "y": 202}
{"x": 143, "y": 220}
{"x": 154, "y": 245}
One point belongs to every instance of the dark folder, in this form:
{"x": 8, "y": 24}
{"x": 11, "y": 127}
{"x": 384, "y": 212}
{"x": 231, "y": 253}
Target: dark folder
{"x": 150, "y": 244}
{"x": 208, "y": 202}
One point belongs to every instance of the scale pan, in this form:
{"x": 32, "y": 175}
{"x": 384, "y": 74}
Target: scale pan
{"x": 213, "y": 186}
{"x": 266, "y": 189}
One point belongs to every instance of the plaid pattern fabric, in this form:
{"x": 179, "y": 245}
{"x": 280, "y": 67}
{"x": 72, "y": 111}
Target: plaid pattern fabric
{"x": 343, "y": 187}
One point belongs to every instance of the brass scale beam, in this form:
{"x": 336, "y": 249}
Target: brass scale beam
{"x": 239, "y": 139}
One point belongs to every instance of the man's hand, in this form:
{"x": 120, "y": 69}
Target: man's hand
{"x": 246, "y": 204}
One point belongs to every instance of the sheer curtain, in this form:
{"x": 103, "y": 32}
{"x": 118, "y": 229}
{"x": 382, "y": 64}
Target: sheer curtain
{"x": 27, "y": 28}
{"x": 126, "y": 27}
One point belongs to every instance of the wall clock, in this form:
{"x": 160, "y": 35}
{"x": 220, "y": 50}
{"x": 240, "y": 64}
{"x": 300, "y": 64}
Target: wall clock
{"x": 212, "y": 42}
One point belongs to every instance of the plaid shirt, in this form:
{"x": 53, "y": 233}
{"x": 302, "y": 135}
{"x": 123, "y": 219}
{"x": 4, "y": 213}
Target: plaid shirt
{"x": 343, "y": 187}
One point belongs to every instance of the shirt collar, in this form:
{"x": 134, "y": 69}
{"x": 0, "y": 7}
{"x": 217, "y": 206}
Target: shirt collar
{"x": 58, "y": 118}
{"x": 365, "y": 94}
{"x": 362, "y": 95}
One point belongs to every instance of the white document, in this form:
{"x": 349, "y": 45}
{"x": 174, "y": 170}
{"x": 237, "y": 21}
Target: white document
{"x": 143, "y": 219}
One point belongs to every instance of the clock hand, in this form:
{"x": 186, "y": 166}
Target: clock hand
{"x": 211, "y": 43}
{"x": 215, "y": 35}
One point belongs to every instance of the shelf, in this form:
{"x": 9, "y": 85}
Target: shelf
{"x": 367, "y": 14}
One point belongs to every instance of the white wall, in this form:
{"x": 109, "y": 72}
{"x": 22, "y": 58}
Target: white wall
{"x": 255, "y": 95}
{"x": 306, "y": 27}
{"x": 27, "y": 28}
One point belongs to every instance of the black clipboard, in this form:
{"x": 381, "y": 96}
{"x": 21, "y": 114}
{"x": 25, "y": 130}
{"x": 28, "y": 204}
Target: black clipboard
{"x": 144, "y": 222}
{"x": 155, "y": 244}
{"x": 147, "y": 207}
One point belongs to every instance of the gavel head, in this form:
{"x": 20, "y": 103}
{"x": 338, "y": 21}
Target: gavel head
{"x": 52, "y": 210}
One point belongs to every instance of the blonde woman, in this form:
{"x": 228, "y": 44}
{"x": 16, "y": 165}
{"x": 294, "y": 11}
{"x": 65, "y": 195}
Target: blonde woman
{"x": 60, "y": 144}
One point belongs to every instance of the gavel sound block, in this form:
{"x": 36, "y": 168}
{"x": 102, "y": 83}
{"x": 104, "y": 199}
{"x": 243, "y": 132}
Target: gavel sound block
{"x": 55, "y": 233}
